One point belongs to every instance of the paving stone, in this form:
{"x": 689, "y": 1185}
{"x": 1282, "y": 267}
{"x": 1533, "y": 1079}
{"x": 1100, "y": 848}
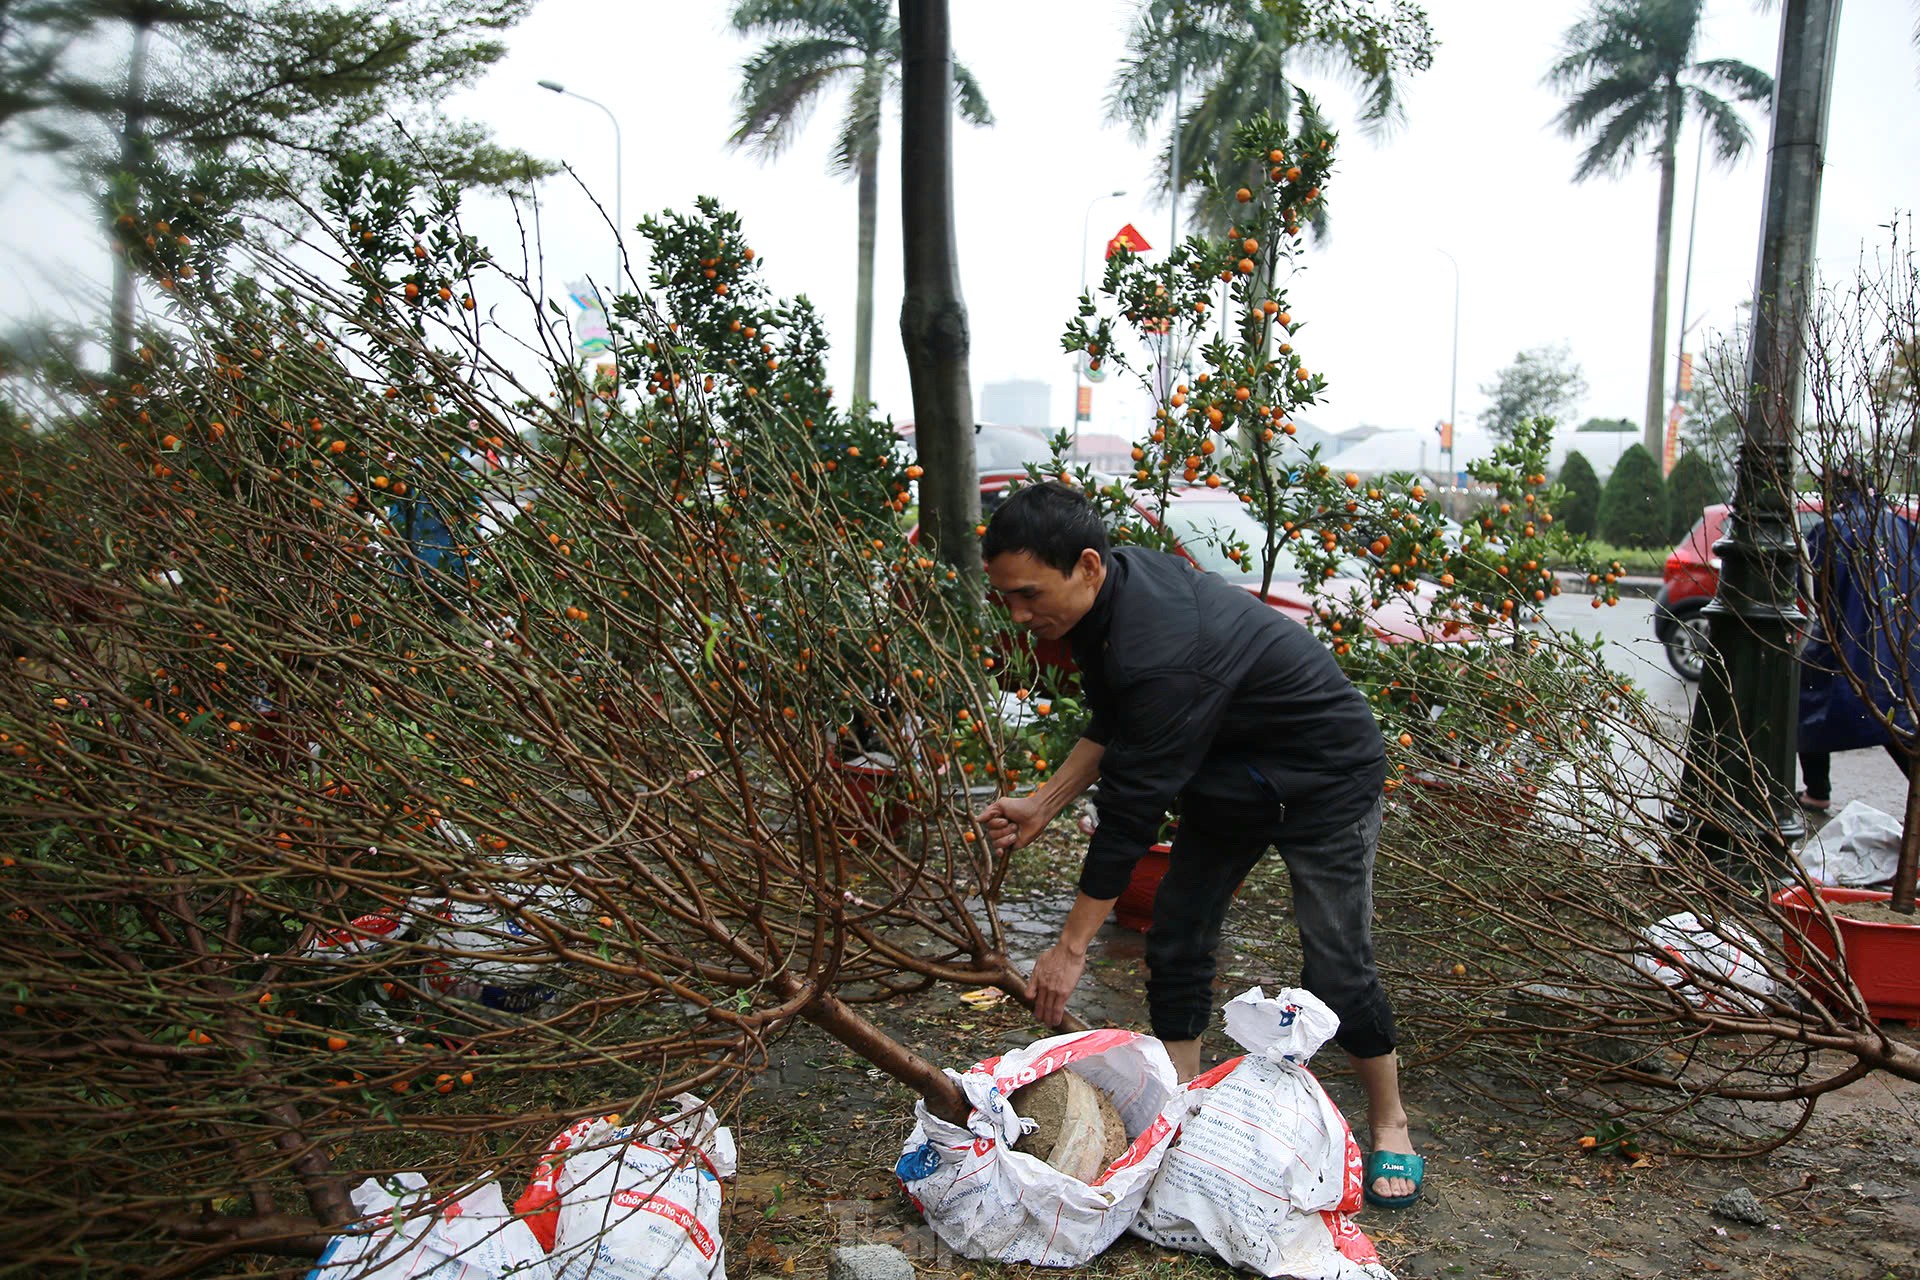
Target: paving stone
{"x": 868, "y": 1262}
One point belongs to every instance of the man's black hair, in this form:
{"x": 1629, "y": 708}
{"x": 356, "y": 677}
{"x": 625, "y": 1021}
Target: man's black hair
{"x": 1050, "y": 522}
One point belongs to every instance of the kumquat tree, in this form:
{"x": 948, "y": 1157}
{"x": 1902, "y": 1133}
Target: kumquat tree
{"x": 1564, "y": 938}
{"x": 418, "y": 740}
{"x": 408, "y": 756}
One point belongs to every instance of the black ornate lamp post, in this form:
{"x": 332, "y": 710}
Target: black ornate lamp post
{"x": 1737, "y": 787}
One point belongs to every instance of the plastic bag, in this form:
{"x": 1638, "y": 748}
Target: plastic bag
{"x": 407, "y": 1236}
{"x": 1725, "y": 954}
{"x": 1263, "y": 1170}
{"x": 983, "y": 1199}
{"x": 1859, "y": 848}
{"x": 360, "y": 936}
{"x": 484, "y": 951}
{"x": 634, "y": 1201}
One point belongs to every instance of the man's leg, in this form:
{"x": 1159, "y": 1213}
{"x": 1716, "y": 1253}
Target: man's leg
{"x": 1206, "y": 866}
{"x": 1332, "y": 877}
{"x": 1816, "y": 771}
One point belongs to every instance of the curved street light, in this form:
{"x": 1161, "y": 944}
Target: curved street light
{"x": 619, "y": 223}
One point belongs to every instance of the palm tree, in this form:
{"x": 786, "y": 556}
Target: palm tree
{"x": 1234, "y": 57}
{"x": 1629, "y": 71}
{"x": 812, "y": 46}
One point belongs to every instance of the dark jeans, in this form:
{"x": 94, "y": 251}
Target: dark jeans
{"x": 1816, "y": 770}
{"x": 1217, "y": 844}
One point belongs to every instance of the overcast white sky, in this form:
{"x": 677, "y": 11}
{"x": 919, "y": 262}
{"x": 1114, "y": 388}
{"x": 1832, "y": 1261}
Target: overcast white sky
{"x": 1476, "y": 170}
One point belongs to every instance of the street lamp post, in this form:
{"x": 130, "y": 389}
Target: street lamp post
{"x": 619, "y": 223}
{"x": 1086, "y": 223}
{"x": 1736, "y": 789}
{"x": 1681, "y": 382}
{"x": 1453, "y": 384}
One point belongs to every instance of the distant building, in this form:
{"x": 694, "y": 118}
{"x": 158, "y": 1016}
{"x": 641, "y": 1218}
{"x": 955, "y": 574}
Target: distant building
{"x": 1017, "y": 402}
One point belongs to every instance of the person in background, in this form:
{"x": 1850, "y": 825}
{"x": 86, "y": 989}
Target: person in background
{"x": 1202, "y": 695}
{"x": 1864, "y": 637}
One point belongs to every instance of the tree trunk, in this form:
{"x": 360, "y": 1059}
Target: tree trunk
{"x": 942, "y": 1096}
{"x": 132, "y": 146}
{"x": 1656, "y": 438}
{"x": 869, "y": 185}
{"x": 933, "y": 316}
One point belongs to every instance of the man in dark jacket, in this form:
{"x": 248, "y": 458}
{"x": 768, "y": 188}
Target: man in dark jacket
{"x": 1201, "y": 693}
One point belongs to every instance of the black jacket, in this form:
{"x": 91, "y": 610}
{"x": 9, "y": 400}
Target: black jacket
{"x": 1186, "y": 675}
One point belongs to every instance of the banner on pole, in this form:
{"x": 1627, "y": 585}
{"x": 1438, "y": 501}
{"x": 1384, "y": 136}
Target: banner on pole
{"x": 590, "y": 334}
{"x": 1083, "y": 411}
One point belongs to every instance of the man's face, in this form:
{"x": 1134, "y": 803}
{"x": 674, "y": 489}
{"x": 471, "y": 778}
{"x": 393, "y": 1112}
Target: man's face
{"x": 1042, "y": 599}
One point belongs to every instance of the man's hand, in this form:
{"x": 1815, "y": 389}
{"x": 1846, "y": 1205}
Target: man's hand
{"x": 1055, "y": 974}
{"x": 1013, "y": 821}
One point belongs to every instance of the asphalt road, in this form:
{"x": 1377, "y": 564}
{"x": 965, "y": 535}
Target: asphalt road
{"x": 1631, "y": 650}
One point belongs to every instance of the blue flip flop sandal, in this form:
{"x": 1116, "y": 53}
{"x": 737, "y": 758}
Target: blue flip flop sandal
{"x": 1395, "y": 1164}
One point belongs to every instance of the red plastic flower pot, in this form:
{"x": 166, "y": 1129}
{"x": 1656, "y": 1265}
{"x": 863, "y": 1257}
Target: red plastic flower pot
{"x": 1882, "y": 959}
{"x": 1134, "y": 908}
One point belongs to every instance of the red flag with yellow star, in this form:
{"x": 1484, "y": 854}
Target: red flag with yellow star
{"x": 1128, "y": 237}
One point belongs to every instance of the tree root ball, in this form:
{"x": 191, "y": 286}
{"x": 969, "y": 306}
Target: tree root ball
{"x": 1079, "y": 1132}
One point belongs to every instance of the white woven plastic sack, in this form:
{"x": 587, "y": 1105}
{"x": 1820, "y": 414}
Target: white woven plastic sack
{"x": 1859, "y": 848}
{"x": 983, "y": 1199}
{"x": 485, "y": 951}
{"x": 1717, "y": 966}
{"x": 1263, "y": 1171}
{"x": 407, "y": 1236}
{"x": 634, "y": 1202}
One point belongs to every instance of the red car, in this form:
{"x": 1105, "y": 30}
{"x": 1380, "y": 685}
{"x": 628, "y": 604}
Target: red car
{"x": 1691, "y": 578}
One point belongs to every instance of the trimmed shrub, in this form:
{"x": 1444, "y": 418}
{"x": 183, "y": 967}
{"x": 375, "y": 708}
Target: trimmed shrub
{"x": 1580, "y": 512}
{"x": 1633, "y": 506}
{"x": 1690, "y": 487}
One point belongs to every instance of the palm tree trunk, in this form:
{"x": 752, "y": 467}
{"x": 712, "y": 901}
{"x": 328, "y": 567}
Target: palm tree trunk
{"x": 120, "y": 313}
{"x": 1662, "y": 256}
{"x": 869, "y": 186}
{"x": 933, "y": 315}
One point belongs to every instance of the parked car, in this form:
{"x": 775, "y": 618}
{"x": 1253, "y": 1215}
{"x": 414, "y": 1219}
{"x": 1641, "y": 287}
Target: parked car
{"x": 1199, "y": 517}
{"x": 1691, "y": 577}
{"x": 1000, "y": 455}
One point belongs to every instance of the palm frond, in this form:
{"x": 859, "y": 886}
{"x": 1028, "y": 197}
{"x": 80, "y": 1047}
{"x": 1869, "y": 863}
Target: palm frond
{"x": 1598, "y": 101}
{"x": 779, "y": 87}
{"x": 1383, "y": 105}
{"x": 1731, "y": 136}
{"x": 860, "y": 127}
{"x": 969, "y": 98}
{"x": 861, "y": 23}
{"x": 1744, "y": 81}
{"x": 1638, "y": 123}
{"x": 1629, "y": 73}
{"x": 1158, "y": 53}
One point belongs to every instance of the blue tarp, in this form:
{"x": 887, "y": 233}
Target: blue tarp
{"x": 1867, "y": 582}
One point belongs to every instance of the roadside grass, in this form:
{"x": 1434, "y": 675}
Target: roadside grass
{"x": 1639, "y": 561}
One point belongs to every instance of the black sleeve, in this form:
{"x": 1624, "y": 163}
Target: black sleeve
{"x": 1167, "y": 721}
